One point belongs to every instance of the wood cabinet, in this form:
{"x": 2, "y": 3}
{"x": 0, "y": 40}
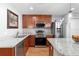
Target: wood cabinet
{"x": 27, "y": 21}
{"x": 51, "y": 50}
{"x": 7, "y": 51}
{"x": 26, "y": 44}
{"x": 24, "y": 21}
{"x": 32, "y": 40}
{"x": 31, "y": 20}
{"x": 29, "y": 41}
{"x": 21, "y": 48}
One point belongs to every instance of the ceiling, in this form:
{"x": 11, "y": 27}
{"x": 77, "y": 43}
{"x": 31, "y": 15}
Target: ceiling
{"x": 55, "y": 9}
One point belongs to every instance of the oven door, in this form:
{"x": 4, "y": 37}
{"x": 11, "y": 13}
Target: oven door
{"x": 40, "y": 41}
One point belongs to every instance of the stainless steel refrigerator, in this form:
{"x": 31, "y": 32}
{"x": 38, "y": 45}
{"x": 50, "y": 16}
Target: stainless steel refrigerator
{"x": 53, "y": 29}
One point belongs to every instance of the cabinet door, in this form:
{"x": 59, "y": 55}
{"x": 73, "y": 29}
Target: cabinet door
{"x": 32, "y": 40}
{"x": 26, "y": 44}
{"x": 7, "y": 51}
{"x": 46, "y": 19}
{"x": 24, "y": 22}
{"x": 28, "y": 21}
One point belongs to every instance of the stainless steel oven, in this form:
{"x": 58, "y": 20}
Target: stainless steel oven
{"x": 40, "y": 41}
{"x": 40, "y": 38}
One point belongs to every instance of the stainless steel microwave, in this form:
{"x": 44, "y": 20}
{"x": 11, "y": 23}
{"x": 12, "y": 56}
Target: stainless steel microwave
{"x": 40, "y": 25}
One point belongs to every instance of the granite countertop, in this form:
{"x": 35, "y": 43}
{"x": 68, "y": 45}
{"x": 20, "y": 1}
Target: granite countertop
{"x": 10, "y": 42}
{"x": 65, "y": 46}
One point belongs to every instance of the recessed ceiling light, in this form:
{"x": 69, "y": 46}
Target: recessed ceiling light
{"x": 31, "y": 8}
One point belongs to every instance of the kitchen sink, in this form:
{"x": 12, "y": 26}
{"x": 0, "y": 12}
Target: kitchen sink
{"x": 21, "y": 36}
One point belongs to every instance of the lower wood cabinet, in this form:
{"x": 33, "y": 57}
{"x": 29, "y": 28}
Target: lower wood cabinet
{"x": 50, "y": 50}
{"x": 20, "y": 49}
{"x": 26, "y": 44}
{"x": 32, "y": 40}
{"x": 7, "y": 51}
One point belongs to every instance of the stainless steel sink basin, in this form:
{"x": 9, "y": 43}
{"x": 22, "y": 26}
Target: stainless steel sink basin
{"x": 20, "y": 36}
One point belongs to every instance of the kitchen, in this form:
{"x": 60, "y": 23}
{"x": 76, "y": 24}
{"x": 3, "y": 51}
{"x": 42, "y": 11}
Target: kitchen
{"x": 38, "y": 29}
{"x": 28, "y": 34}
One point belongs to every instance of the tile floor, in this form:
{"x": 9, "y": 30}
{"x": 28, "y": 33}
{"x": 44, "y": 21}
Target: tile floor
{"x": 35, "y": 51}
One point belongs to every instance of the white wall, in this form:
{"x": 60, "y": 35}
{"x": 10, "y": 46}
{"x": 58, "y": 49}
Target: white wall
{"x": 64, "y": 24}
{"x": 66, "y": 27}
{"x": 74, "y": 26}
{"x": 3, "y": 20}
{"x": 71, "y": 26}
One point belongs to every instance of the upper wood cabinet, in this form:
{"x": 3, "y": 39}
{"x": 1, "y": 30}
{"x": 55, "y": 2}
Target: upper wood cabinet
{"x": 24, "y": 22}
{"x": 29, "y": 21}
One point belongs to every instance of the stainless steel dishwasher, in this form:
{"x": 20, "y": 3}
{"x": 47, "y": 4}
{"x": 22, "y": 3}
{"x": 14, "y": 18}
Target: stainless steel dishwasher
{"x": 20, "y": 49}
